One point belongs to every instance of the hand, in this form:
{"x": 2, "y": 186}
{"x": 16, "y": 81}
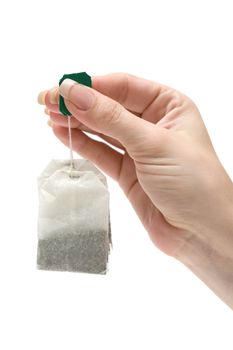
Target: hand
{"x": 168, "y": 169}
{"x": 165, "y": 163}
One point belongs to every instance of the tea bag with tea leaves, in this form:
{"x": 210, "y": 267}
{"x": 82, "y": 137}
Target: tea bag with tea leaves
{"x": 73, "y": 225}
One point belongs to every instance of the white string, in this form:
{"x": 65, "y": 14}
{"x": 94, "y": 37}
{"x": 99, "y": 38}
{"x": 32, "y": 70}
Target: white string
{"x": 70, "y": 146}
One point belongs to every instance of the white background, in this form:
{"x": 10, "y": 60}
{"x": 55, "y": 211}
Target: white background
{"x": 147, "y": 300}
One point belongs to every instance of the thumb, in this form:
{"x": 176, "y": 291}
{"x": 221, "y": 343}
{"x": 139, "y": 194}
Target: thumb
{"x": 104, "y": 115}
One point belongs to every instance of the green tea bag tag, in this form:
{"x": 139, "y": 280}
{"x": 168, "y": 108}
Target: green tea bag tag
{"x": 81, "y": 78}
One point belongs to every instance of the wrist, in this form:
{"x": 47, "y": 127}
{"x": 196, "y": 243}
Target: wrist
{"x": 212, "y": 234}
{"x": 208, "y": 253}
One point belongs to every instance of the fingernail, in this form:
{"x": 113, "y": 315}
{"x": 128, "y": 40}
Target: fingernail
{"x": 50, "y": 123}
{"x": 78, "y": 94}
{"x": 41, "y": 97}
{"x": 47, "y": 111}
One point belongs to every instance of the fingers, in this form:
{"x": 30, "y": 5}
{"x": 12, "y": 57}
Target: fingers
{"x": 149, "y": 100}
{"x": 134, "y": 93}
{"x": 41, "y": 97}
{"x": 102, "y": 114}
{"x": 103, "y": 156}
{"x": 60, "y": 120}
{"x": 50, "y": 99}
{"x": 142, "y": 97}
{"x": 106, "y": 117}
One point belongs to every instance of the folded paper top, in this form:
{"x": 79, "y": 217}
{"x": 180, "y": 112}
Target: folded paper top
{"x": 78, "y": 204}
{"x": 80, "y": 165}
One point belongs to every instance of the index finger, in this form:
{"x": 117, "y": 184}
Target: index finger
{"x": 134, "y": 93}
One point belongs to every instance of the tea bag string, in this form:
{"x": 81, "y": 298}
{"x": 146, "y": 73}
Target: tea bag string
{"x": 70, "y": 146}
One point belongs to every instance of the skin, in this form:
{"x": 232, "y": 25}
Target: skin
{"x": 163, "y": 160}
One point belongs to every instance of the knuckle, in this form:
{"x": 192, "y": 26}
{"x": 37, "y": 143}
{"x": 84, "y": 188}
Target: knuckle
{"x": 124, "y": 87}
{"x": 177, "y": 100}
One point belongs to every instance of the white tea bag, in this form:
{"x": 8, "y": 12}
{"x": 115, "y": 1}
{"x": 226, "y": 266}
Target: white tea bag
{"x": 73, "y": 225}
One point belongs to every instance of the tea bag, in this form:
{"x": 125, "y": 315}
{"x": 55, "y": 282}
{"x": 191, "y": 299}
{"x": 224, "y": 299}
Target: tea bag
{"x": 73, "y": 225}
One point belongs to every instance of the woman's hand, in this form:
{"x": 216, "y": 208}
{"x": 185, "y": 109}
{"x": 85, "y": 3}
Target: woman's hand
{"x": 163, "y": 158}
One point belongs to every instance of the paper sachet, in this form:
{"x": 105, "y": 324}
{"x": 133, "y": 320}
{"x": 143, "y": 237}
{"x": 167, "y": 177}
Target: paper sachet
{"x": 73, "y": 224}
